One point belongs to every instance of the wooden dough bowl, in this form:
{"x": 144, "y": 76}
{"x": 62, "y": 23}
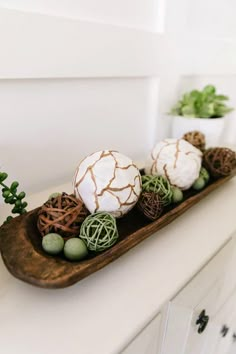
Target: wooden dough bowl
{"x": 22, "y": 253}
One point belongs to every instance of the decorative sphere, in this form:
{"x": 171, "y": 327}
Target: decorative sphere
{"x": 150, "y": 205}
{"x": 199, "y": 184}
{"x": 177, "y": 160}
{"x": 54, "y": 195}
{"x": 196, "y": 138}
{"x": 107, "y": 181}
{"x": 220, "y": 162}
{"x": 63, "y": 215}
{"x": 99, "y": 231}
{"x": 159, "y": 185}
{"x": 204, "y": 174}
{"x": 177, "y": 195}
{"x": 52, "y": 243}
{"x": 75, "y": 249}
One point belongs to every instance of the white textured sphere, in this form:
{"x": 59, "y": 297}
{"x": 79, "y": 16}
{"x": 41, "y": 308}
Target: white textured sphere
{"x": 107, "y": 181}
{"x": 177, "y": 160}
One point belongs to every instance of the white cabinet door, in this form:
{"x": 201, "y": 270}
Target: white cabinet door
{"x": 197, "y": 334}
{"x": 203, "y": 292}
{"x": 178, "y": 322}
{"x": 182, "y": 335}
{"x": 147, "y": 341}
{"x": 225, "y": 321}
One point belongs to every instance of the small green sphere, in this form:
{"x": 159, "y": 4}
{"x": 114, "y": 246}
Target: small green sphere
{"x": 177, "y": 195}
{"x": 75, "y": 249}
{"x": 204, "y": 174}
{"x": 52, "y": 243}
{"x": 54, "y": 195}
{"x": 199, "y": 184}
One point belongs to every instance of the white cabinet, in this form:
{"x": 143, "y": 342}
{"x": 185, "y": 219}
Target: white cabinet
{"x": 201, "y": 318}
{"x": 190, "y": 327}
{"x": 147, "y": 341}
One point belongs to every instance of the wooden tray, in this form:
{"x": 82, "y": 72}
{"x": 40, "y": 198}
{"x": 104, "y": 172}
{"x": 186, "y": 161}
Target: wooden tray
{"x": 20, "y": 244}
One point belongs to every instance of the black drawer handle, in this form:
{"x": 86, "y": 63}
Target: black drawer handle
{"x": 224, "y": 330}
{"x": 202, "y": 321}
{"x": 234, "y": 337}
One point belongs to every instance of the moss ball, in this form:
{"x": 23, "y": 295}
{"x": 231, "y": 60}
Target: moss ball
{"x": 75, "y": 249}
{"x": 177, "y": 195}
{"x": 204, "y": 174}
{"x": 52, "y": 243}
{"x": 199, "y": 184}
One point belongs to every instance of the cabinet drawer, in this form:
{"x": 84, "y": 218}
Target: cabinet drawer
{"x": 147, "y": 341}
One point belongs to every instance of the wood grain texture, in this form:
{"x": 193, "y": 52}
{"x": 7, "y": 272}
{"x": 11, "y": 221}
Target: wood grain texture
{"x": 20, "y": 244}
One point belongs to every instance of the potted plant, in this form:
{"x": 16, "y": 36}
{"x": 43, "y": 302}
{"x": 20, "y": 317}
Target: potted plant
{"x": 203, "y": 111}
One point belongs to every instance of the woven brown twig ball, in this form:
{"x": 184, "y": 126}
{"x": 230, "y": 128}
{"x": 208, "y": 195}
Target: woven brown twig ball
{"x": 151, "y": 205}
{"x": 63, "y": 215}
{"x": 219, "y": 161}
{"x": 196, "y": 138}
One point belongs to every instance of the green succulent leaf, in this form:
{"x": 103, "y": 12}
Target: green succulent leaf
{"x": 202, "y": 104}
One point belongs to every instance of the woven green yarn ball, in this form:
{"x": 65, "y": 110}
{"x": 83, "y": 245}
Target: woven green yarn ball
{"x": 99, "y": 231}
{"x": 159, "y": 185}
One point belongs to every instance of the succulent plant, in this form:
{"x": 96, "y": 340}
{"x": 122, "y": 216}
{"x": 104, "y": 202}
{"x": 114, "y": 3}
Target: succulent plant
{"x": 202, "y": 104}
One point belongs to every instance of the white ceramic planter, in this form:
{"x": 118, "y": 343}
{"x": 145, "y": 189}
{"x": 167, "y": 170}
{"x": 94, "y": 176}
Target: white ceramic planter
{"x": 212, "y": 128}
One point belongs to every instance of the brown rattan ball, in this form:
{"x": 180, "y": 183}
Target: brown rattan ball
{"x": 196, "y": 138}
{"x": 151, "y": 205}
{"x": 219, "y": 161}
{"x": 63, "y": 215}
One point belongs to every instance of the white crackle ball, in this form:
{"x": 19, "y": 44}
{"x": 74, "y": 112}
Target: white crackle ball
{"x": 177, "y": 160}
{"x": 107, "y": 181}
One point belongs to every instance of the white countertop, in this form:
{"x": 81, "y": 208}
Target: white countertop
{"x": 101, "y": 314}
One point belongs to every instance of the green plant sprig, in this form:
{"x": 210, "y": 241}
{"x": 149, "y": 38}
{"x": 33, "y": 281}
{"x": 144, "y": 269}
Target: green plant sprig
{"x": 11, "y": 196}
{"x": 202, "y": 104}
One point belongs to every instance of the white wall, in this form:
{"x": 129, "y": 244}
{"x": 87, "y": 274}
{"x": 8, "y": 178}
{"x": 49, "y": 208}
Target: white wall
{"x": 129, "y": 13}
{"x": 69, "y": 87}
{"x": 48, "y": 126}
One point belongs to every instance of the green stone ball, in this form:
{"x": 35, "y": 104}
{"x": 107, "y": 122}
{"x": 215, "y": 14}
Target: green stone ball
{"x": 52, "y": 243}
{"x": 54, "y": 195}
{"x": 199, "y": 184}
{"x": 177, "y": 195}
{"x": 204, "y": 174}
{"x": 75, "y": 249}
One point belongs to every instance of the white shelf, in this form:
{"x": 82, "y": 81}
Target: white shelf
{"x": 103, "y": 312}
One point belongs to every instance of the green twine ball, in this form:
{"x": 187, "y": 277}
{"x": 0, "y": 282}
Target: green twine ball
{"x": 75, "y": 249}
{"x": 52, "y": 243}
{"x": 159, "y": 185}
{"x": 177, "y": 195}
{"x": 99, "y": 231}
{"x": 199, "y": 184}
{"x": 204, "y": 174}
{"x": 54, "y": 195}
